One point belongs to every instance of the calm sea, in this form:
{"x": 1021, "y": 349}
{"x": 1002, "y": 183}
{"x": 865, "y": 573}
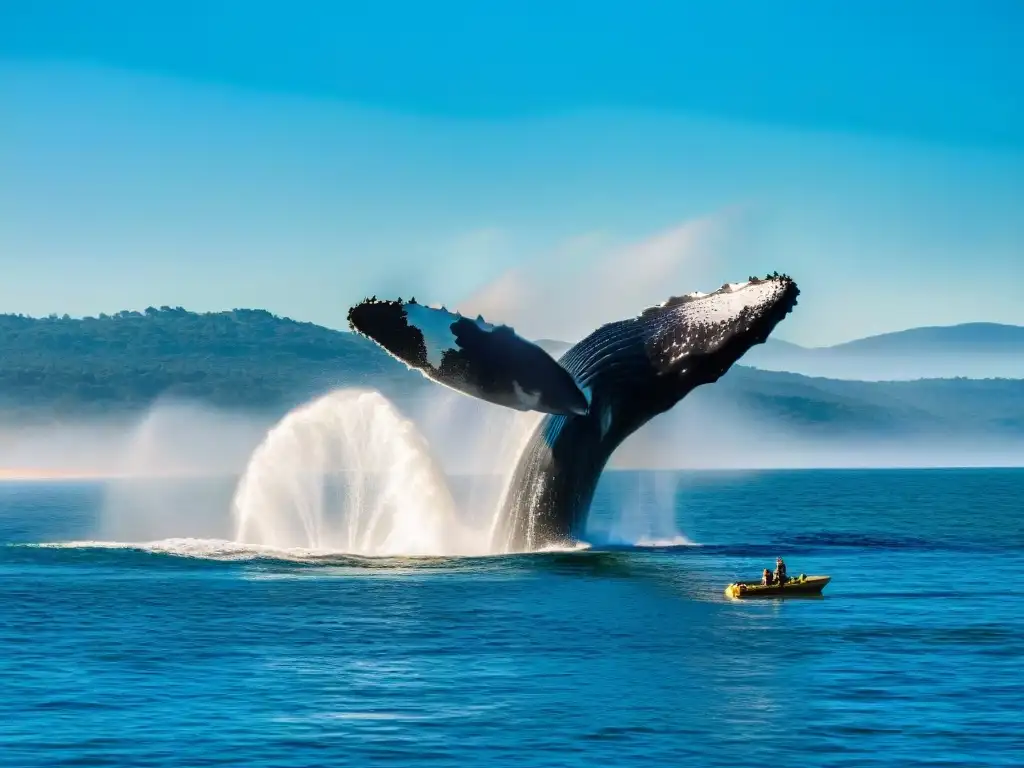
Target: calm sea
{"x": 618, "y": 655}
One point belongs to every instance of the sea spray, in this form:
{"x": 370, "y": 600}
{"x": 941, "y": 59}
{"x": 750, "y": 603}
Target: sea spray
{"x": 640, "y": 511}
{"x": 172, "y": 471}
{"x": 348, "y": 473}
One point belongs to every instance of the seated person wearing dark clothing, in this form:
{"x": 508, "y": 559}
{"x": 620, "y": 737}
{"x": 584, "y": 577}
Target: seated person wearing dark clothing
{"x": 780, "y": 571}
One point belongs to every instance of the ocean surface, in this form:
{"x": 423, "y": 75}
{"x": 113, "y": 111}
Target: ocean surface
{"x": 190, "y": 653}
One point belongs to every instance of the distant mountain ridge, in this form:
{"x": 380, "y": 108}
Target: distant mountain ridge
{"x": 970, "y": 350}
{"x": 250, "y": 360}
{"x": 243, "y": 358}
{"x": 969, "y": 336}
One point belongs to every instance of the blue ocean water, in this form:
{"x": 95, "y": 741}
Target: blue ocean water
{"x": 618, "y": 655}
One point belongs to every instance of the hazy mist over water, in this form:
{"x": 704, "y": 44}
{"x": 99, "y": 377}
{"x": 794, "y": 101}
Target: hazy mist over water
{"x": 472, "y": 437}
{"x": 834, "y": 363}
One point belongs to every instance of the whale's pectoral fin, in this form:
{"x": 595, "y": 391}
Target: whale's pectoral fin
{"x": 637, "y": 368}
{"x": 474, "y": 357}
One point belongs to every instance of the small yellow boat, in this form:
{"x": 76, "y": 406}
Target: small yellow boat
{"x": 799, "y": 586}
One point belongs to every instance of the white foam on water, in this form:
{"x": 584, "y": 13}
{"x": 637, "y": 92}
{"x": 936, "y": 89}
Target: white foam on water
{"x": 235, "y": 551}
{"x": 673, "y": 541}
{"x": 204, "y": 549}
{"x": 577, "y": 546}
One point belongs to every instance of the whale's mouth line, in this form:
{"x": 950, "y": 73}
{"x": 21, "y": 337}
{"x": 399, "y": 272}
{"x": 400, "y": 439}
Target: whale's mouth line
{"x": 600, "y": 391}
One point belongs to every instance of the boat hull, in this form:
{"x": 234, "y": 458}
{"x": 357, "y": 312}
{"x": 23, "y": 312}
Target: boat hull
{"x": 809, "y": 586}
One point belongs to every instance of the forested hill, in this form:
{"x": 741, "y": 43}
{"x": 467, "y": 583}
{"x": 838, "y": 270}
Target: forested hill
{"x": 251, "y": 360}
{"x": 248, "y": 359}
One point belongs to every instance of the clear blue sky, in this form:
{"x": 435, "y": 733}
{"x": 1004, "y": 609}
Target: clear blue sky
{"x": 298, "y": 156}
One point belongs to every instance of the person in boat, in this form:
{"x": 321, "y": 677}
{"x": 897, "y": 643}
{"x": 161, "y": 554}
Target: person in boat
{"x": 780, "y": 571}
{"x": 766, "y": 578}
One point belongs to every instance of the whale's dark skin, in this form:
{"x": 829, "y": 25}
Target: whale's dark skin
{"x": 632, "y": 375}
{"x": 628, "y": 371}
{"x": 474, "y": 357}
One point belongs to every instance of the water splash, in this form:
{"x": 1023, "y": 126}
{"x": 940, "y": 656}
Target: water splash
{"x": 348, "y": 473}
{"x": 642, "y": 513}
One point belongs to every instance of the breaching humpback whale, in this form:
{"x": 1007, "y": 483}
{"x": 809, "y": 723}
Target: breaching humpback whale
{"x": 598, "y": 393}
